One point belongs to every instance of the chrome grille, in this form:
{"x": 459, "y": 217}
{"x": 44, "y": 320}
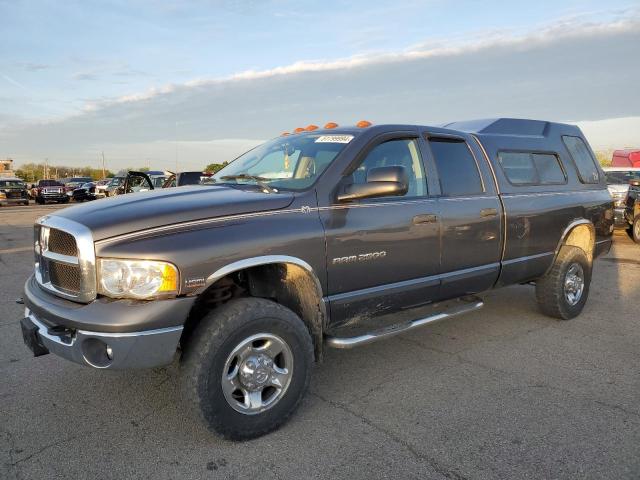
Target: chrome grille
{"x": 65, "y": 258}
{"x": 64, "y": 277}
{"x": 62, "y": 242}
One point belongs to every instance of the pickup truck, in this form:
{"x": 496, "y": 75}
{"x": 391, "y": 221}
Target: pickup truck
{"x": 50, "y": 191}
{"x": 323, "y": 238}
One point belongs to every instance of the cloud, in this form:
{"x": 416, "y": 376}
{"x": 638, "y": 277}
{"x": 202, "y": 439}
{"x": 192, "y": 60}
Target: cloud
{"x": 84, "y": 76}
{"x": 34, "y": 67}
{"x": 565, "y": 71}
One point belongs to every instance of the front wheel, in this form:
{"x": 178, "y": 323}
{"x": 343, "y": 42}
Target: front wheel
{"x": 563, "y": 291}
{"x": 247, "y": 367}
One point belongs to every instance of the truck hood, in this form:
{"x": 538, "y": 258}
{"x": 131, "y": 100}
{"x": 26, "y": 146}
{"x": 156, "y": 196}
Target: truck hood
{"x": 139, "y": 211}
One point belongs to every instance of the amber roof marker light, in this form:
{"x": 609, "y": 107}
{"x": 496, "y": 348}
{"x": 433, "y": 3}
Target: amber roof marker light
{"x": 298, "y": 130}
{"x": 284, "y": 134}
{"x": 331, "y": 125}
{"x": 311, "y": 128}
{"x": 363, "y": 124}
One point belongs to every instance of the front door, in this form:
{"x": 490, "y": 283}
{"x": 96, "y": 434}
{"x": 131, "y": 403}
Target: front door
{"x": 383, "y": 253}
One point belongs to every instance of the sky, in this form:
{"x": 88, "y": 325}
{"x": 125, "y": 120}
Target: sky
{"x": 191, "y": 82}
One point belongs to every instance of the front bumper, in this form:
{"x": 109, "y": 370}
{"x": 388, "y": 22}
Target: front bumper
{"x": 618, "y": 216}
{"x": 151, "y": 348}
{"x": 140, "y": 334}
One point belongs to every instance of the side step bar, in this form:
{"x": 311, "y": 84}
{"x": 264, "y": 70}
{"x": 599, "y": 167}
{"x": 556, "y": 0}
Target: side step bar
{"x": 470, "y": 305}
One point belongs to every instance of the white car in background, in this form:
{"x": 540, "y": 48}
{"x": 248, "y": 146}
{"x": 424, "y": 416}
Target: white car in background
{"x": 618, "y": 179}
{"x": 101, "y": 187}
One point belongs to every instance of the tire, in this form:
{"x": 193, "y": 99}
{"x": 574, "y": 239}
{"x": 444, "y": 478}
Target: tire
{"x": 65, "y": 200}
{"x": 210, "y": 352}
{"x": 556, "y": 292}
{"x": 26, "y": 203}
{"x": 634, "y": 230}
{"x": 39, "y": 201}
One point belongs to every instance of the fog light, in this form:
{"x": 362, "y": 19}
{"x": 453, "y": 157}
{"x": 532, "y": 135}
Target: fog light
{"x": 97, "y": 353}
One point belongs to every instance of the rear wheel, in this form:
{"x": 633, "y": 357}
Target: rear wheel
{"x": 247, "y": 367}
{"x": 563, "y": 291}
{"x": 634, "y": 230}
{"x": 39, "y": 201}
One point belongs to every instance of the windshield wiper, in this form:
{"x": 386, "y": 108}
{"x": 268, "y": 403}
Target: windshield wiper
{"x": 260, "y": 181}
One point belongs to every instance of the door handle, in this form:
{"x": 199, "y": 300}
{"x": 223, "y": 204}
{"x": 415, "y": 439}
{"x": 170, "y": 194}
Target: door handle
{"x": 427, "y": 218}
{"x": 488, "y": 212}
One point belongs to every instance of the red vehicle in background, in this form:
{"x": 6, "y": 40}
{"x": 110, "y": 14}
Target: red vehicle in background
{"x": 49, "y": 191}
{"x": 626, "y": 158}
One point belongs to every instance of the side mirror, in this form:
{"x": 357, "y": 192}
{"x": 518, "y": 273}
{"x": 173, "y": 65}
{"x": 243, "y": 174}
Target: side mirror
{"x": 381, "y": 182}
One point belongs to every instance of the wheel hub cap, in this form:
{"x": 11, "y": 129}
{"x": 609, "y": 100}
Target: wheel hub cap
{"x": 257, "y": 373}
{"x": 574, "y": 283}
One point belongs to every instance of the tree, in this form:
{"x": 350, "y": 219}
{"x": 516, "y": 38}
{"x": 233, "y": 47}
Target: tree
{"x": 604, "y": 157}
{"x": 215, "y": 167}
{"x": 32, "y": 172}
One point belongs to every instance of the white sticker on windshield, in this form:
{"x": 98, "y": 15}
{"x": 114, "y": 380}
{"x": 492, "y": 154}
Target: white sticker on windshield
{"x": 334, "y": 139}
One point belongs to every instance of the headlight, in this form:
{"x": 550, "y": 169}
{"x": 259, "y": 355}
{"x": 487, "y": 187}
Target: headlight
{"x": 136, "y": 278}
{"x": 3, "y": 195}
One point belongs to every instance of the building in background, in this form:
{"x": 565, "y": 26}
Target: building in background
{"x": 6, "y": 168}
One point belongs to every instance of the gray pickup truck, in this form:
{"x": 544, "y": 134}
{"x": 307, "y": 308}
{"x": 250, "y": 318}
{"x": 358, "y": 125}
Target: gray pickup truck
{"x": 331, "y": 237}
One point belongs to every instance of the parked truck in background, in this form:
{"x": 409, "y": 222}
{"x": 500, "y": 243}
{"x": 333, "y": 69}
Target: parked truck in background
{"x": 331, "y": 237}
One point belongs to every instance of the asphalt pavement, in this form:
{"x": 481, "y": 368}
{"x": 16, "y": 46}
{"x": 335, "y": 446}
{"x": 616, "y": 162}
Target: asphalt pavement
{"x": 503, "y": 393}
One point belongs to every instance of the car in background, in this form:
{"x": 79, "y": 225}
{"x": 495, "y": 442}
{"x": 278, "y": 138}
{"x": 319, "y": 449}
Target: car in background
{"x": 186, "y": 178}
{"x": 157, "y": 178}
{"x": 13, "y": 191}
{"x": 618, "y": 179}
{"x": 50, "y": 191}
{"x": 626, "y": 158}
{"x": 71, "y": 183}
{"x": 85, "y": 192}
{"x": 101, "y": 187}
{"x": 115, "y": 183}
{"x": 632, "y": 210}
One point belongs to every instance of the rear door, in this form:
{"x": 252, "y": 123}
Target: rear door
{"x": 470, "y": 214}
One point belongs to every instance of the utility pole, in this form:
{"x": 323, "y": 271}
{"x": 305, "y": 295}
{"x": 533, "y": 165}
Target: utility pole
{"x": 103, "y": 171}
{"x": 46, "y": 168}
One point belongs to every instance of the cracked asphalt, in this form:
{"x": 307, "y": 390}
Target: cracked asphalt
{"x": 503, "y": 393}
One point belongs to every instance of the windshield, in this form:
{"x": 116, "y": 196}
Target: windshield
{"x": 11, "y": 183}
{"x": 49, "y": 183}
{"x": 622, "y": 177}
{"x": 116, "y": 182}
{"x": 158, "y": 181}
{"x": 189, "y": 178}
{"x": 291, "y": 162}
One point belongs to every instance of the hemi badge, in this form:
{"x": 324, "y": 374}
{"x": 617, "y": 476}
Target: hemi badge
{"x": 194, "y": 282}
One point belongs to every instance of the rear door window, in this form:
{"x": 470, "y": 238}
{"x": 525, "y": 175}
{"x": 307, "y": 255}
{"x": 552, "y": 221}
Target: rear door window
{"x": 584, "y": 161}
{"x": 457, "y": 167}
